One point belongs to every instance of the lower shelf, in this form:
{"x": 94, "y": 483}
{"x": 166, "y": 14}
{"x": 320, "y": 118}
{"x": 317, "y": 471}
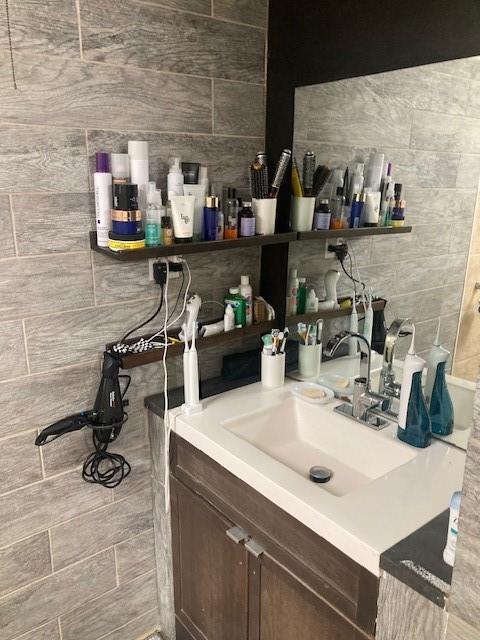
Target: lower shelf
{"x": 377, "y": 305}
{"x": 132, "y": 360}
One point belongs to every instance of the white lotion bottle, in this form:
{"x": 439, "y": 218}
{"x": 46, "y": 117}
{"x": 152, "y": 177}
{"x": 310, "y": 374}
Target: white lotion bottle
{"x": 229, "y": 318}
{"x": 102, "y": 185}
{"x": 436, "y": 356}
{"x": 245, "y": 290}
{"x": 139, "y": 171}
{"x": 311, "y": 304}
{"x": 451, "y": 546}
{"x": 175, "y": 178}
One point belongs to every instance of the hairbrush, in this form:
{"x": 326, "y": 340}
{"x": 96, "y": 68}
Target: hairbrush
{"x": 258, "y": 180}
{"x": 280, "y": 171}
{"x": 308, "y": 172}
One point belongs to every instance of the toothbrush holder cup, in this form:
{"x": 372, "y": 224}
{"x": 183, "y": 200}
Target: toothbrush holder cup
{"x": 265, "y": 211}
{"x": 309, "y": 356}
{"x": 273, "y": 370}
{"x": 302, "y": 211}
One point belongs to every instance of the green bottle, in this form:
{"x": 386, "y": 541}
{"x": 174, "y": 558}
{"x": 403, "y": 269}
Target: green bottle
{"x": 238, "y": 305}
{"x": 301, "y": 295}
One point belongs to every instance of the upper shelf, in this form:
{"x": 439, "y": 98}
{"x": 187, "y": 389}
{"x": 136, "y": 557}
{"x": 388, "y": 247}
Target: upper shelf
{"x": 254, "y": 241}
{"x": 352, "y": 233}
{"x": 186, "y": 248}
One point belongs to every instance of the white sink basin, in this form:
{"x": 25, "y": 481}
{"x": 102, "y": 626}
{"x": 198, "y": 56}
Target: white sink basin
{"x": 301, "y": 435}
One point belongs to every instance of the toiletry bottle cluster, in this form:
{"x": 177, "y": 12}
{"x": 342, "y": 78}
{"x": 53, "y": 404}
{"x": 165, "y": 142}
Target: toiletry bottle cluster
{"x": 239, "y": 305}
{"x": 302, "y": 298}
{"x": 421, "y": 415}
{"x": 357, "y": 196}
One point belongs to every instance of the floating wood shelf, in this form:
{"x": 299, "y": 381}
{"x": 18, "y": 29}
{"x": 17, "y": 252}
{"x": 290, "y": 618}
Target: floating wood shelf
{"x": 377, "y": 305}
{"x": 191, "y": 247}
{"x": 156, "y": 355}
{"x": 352, "y": 233}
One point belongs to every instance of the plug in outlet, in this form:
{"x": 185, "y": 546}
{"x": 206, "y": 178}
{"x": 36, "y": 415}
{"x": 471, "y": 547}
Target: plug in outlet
{"x": 151, "y": 262}
{"x": 329, "y": 255}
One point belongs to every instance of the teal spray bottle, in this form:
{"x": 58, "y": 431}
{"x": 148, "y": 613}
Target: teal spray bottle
{"x": 414, "y": 425}
{"x": 437, "y": 396}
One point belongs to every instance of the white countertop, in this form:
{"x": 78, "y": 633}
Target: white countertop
{"x": 363, "y": 523}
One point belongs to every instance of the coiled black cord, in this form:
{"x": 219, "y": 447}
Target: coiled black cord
{"x": 103, "y": 467}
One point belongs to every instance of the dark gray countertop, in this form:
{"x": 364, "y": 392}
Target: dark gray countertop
{"x": 417, "y": 560}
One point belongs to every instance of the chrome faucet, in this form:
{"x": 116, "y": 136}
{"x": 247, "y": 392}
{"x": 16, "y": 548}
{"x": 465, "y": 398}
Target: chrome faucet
{"x": 364, "y": 399}
{"x": 388, "y": 386}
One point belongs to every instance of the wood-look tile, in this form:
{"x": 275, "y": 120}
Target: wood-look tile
{"x": 239, "y": 109}
{"x": 463, "y": 601}
{"x": 468, "y": 369}
{"x": 403, "y": 613}
{"x": 47, "y": 631}
{"x": 420, "y": 243}
{"x": 42, "y": 159}
{"x": 13, "y": 362}
{"x": 246, "y": 11}
{"x": 33, "y": 605}
{"x": 440, "y": 206}
{"x": 156, "y": 434}
{"x": 468, "y": 171}
{"x": 442, "y": 132}
{"x": 42, "y": 27}
{"x": 129, "y": 97}
{"x": 20, "y": 462}
{"x": 425, "y": 169}
{"x": 458, "y": 629}
{"x": 51, "y": 223}
{"x": 24, "y": 562}
{"x": 47, "y": 503}
{"x": 203, "y": 46}
{"x": 37, "y": 401}
{"x": 196, "y": 6}
{"x": 101, "y": 616}
{"x": 462, "y": 67}
{"x": 139, "y": 478}
{"x": 140, "y": 627}
{"x": 35, "y": 286}
{"x": 136, "y": 556}
{"x": 426, "y": 305}
{"x": 227, "y": 159}
{"x": 8, "y": 248}
{"x": 72, "y": 540}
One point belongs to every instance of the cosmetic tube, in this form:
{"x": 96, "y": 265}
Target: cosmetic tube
{"x": 138, "y": 154}
{"x": 182, "y": 215}
{"x": 372, "y": 209}
{"x": 102, "y": 181}
{"x": 120, "y": 167}
{"x": 197, "y": 190}
{"x": 374, "y": 172}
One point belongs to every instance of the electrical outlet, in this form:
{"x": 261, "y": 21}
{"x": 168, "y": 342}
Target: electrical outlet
{"x": 151, "y": 262}
{"x": 335, "y": 241}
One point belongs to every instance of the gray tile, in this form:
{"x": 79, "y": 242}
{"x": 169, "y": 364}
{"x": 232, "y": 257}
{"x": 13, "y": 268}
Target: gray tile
{"x": 424, "y": 169}
{"x": 473, "y": 106}
{"x": 246, "y": 11}
{"x": 24, "y": 562}
{"x": 203, "y": 46}
{"x": 435, "y": 271}
{"x": 196, "y": 6}
{"x": 37, "y": 401}
{"x": 227, "y": 158}
{"x": 458, "y": 629}
{"x": 72, "y": 587}
{"x": 440, "y": 132}
{"x": 156, "y": 434}
{"x": 20, "y": 462}
{"x": 421, "y": 242}
{"x": 426, "y": 305}
{"x": 433, "y": 206}
{"x": 42, "y": 159}
{"x": 72, "y": 540}
{"x": 35, "y": 286}
{"x": 13, "y": 362}
{"x": 468, "y": 171}
{"x": 47, "y": 503}
{"x": 155, "y": 101}
{"x": 53, "y": 223}
{"x": 139, "y": 478}
{"x": 463, "y": 600}
{"x": 140, "y": 627}
{"x": 239, "y": 109}
{"x": 8, "y": 249}
{"x": 464, "y": 67}
{"x": 47, "y": 631}
{"x": 164, "y": 563}
{"x": 136, "y": 556}
{"x": 103, "y": 615}
{"x": 42, "y": 27}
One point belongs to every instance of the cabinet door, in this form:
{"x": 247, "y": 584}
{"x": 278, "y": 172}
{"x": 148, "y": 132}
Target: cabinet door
{"x": 289, "y": 610}
{"x": 211, "y": 571}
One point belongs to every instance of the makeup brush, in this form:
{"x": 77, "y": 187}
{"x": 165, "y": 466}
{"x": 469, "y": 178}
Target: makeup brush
{"x": 296, "y": 184}
{"x": 308, "y": 171}
{"x": 280, "y": 171}
{"x": 320, "y": 178}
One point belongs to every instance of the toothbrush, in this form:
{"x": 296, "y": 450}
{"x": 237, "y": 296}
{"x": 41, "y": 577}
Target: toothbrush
{"x": 193, "y": 372}
{"x": 352, "y": 343}
{"x": 284, "y": 341}
{"x": 186, "y": 367}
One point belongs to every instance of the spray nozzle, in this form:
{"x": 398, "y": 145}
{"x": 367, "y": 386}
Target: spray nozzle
{"x": 411, "y": 350}
{"x": 437, "y": 337}
{"x": 175, "y": 164}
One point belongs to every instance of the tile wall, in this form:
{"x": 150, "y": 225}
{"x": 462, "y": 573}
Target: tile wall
{"x": 427, "y": 122}
{"x": 77, "y": 561}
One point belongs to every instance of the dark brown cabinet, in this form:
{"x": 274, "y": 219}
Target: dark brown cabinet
{"x": 246, "y": 570}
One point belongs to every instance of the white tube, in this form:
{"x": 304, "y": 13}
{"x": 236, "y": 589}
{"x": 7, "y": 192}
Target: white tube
{"x": 102, "y": 183}
{"x": 199, "y": 191}
{"x": 183, "y": 208}
{"x": 139, "y": 174}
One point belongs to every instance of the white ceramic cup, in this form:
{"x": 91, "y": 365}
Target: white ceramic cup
{"x": 309, "y": 356}
{"x": 265, "y": 211}
{"x": 273, "y": 370}
{"x": 301, "y": 212}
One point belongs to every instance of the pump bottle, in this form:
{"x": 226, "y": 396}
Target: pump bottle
{"x": 414, "y": 426}
{"x": 437, "y": 395}
{"x": 175, "y": 178}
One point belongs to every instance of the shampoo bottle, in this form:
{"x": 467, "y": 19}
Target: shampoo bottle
{"x": 436, "y": 389}
{"x": 414, "y": 425}
{"x": 102, "y": 182}
{"x": 175, "y": 178}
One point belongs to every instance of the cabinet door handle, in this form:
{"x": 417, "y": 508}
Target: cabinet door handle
{"x": 237, "y": 534}
{"x": 254, "y": 548}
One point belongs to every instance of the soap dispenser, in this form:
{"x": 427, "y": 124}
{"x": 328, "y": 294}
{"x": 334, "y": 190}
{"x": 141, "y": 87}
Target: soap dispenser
{"x": 436, "y": 390}
{"x": 414, "y": 426}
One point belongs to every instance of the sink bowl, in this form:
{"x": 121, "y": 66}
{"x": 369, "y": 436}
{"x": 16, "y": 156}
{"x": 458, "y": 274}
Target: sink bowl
{"x": 300, "y": 436}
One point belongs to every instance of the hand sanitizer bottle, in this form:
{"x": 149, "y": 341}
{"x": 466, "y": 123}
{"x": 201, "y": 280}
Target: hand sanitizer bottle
{"x": 436, "y": 389}
{"x": 414, "y": 425}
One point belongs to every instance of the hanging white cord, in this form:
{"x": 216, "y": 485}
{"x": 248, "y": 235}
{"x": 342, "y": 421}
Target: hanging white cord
{"x": 166, "y": 417}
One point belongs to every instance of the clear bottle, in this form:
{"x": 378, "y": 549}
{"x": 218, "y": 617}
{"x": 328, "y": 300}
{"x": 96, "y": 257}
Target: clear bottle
{"x": 338, "y": 210}
{"x": 231, "y": 215}
{"x": 175, "y": 178}
{"x": 246, "y": 219}
{"x": 155, "y": 211}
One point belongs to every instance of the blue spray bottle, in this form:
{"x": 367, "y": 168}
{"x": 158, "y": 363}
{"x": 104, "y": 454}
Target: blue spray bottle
{"x": 437, "y": 395}
{"x": 414, "y": 425}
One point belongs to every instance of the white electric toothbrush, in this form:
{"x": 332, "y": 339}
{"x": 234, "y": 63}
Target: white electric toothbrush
{"x": 186, "y": 369}
{"x": 194, "y": 405}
